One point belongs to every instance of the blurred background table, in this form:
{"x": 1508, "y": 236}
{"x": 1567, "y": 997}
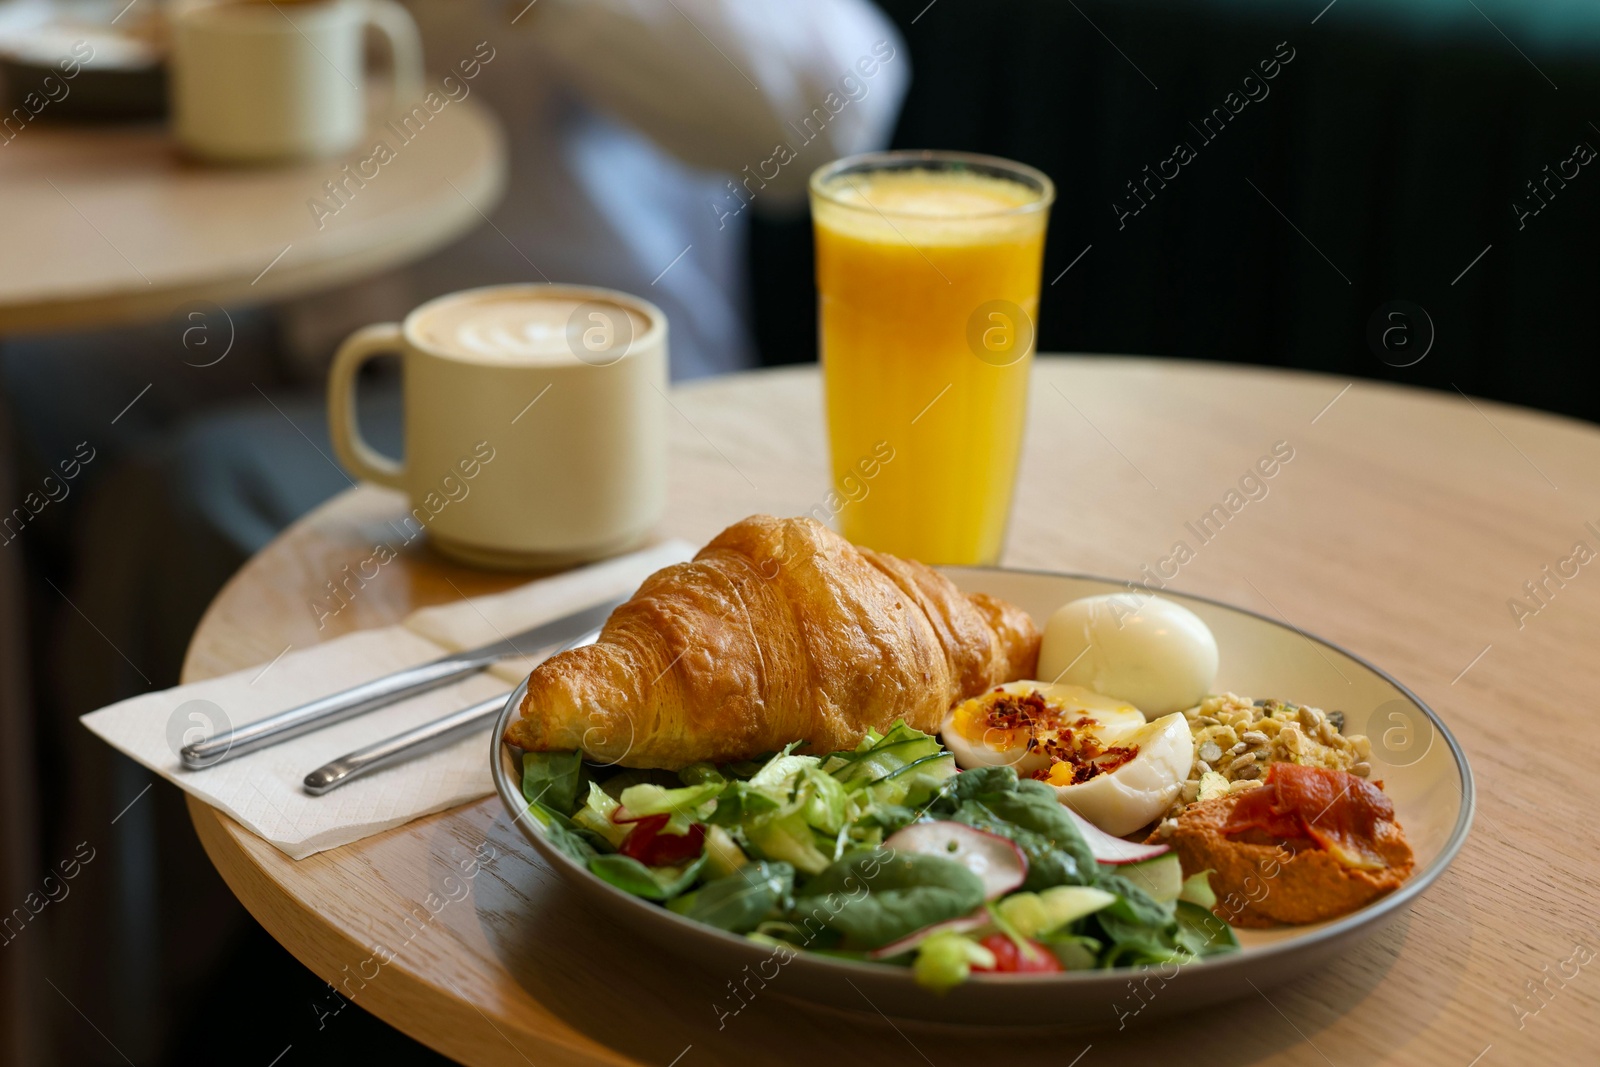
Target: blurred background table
{"x": 1400, "y": 526}
{"x": 177, "y": 231}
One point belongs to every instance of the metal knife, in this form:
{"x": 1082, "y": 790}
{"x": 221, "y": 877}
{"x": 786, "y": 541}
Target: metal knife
{"x": 543, "y": 640}
{"x": 429, "y": 737}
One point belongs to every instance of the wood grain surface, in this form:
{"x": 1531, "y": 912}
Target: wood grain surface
{"x": 112, "y": 224}
{"x": 1401, "y": 528}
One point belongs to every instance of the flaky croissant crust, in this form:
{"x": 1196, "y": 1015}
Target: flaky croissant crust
{"x": 779, "y": 630}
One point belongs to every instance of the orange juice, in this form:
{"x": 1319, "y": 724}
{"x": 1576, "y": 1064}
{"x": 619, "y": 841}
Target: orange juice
{"x": 928, "y": 277}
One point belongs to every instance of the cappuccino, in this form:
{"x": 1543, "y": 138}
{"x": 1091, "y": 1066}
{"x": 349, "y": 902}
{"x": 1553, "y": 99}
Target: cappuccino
{"x": 563, "y": 385}
{"x": 526, "y": 326}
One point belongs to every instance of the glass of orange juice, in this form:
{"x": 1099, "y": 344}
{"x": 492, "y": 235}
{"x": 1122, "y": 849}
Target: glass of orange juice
{"x": 928, "y": 269}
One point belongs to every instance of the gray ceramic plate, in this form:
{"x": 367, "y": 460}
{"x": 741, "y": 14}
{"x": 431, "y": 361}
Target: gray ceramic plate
{"x": 1423, "y": 770}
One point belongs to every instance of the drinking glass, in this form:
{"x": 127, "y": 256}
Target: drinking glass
{"x": 928, "y": 269}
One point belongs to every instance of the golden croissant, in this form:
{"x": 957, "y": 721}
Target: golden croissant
{"x": 779, "y": 630}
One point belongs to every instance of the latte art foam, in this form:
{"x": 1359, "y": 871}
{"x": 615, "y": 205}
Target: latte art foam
{"x": 529, "y": 328}
{"x": 497, "y": 339}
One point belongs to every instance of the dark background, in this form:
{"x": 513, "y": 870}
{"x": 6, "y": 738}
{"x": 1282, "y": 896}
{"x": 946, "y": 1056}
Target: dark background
{"x": 1396, "y": 140}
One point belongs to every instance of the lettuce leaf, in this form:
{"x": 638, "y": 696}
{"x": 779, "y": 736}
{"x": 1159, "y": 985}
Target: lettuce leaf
{"x": 787, "y": 838}
{"x": 595, "y": 816}
{"x": 684, "y": 806}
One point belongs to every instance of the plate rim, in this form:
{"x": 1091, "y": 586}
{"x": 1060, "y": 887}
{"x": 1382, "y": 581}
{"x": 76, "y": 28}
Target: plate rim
{"x": 1372, "y": 915}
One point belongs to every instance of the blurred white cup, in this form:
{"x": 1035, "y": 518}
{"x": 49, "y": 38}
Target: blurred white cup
{"x": 259, "y": 82}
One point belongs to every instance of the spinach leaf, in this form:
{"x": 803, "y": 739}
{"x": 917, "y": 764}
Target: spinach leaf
{"x": 800, "y": 936}
{"x": 1202, "y": 933}
{"x": 1133, "y": 904}
{"x": 740, "y": 901}
{"x": 1026, "y": 812}
{"x": 1075, "y": 952}
{"x": 875, "y": 897}
{"x": 1033, "y": 806}
{"x": 974, "y": 784}
{"x": 1132, "y": 944}
{"x": 888, "y": 817}
{"x": 1138, "y": 933}
{"x": 551, "y": 779}
{"x": 1048, "y": 864}
{"x": 652, "y": 883}
{"x": 575, "y": 842}
{"x": 700, "y": 773}
{"x": 621, "y": 780}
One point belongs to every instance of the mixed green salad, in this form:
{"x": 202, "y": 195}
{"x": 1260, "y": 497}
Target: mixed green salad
{"x": 885, "y": 853}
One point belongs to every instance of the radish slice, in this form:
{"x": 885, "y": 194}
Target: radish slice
{"x": 1109, "y": 849}
{"x": 911, "y": 941}
{"x": 998, "y": 862}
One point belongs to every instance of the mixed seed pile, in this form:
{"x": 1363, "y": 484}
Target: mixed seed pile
{"x": 1235, "y": 738}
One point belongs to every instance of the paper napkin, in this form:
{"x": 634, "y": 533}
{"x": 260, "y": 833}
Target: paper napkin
{"x": 262, "y": 790}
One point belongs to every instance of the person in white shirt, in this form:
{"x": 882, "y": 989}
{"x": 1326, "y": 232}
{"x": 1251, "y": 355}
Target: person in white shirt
{"x": 642, "y": 135}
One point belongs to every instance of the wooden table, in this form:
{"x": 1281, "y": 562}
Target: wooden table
{"x": 110, "y": 224}
{"x": 1402, "y": 525}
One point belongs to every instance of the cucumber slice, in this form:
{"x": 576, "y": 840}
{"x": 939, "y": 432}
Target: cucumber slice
{"x": 901, "y": 732}
{"x": 927, "y": 772}
{"x": 1161, "y": 877}
{"x": 1033, "y": 914}
{"x": 885, "y": 759}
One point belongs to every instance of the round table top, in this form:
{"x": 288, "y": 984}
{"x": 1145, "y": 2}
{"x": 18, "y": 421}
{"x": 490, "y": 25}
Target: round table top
{"x": 110, "y": 224}
{"x": 1402, "y": 526}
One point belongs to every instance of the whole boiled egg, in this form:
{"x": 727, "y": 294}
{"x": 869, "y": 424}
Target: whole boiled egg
{"x": 1149, "y": 651}
{"x": 1008, "y": 725}
{"x": 1124, "y": 785}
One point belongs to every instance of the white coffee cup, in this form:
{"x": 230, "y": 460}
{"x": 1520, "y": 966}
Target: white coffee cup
{"x": 265, "y": 82}
{"x": 535, "y": 430}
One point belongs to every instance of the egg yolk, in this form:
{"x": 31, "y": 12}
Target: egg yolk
{"x": 1077, "y": 757}
{"x": 1003, "y": 720}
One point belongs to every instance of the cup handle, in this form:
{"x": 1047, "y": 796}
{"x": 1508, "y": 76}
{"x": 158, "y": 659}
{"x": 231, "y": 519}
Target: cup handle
{"x": 405, "y": 51}
{"x": 352, "y": 449}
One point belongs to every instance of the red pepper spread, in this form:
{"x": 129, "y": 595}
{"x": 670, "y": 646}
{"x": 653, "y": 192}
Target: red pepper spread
{"x": 1307, "y": 845}
{"x": 1338, "y": 811}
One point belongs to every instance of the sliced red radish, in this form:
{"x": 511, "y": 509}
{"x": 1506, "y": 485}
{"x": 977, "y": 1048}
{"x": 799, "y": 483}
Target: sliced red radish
{"x": 997, "y": 861}
{"x": 1109, "y": 849}
{"x": 910, "y": 941}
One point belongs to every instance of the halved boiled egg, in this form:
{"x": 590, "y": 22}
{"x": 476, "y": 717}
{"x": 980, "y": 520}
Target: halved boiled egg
{"x": 1153, "y": 652}
{"x": 1127, "y": 783}
{"x": 1010, "y": 724}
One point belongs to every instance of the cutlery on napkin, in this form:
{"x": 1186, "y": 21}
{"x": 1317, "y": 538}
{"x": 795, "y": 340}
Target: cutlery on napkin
{"x": 263, "y": 790}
